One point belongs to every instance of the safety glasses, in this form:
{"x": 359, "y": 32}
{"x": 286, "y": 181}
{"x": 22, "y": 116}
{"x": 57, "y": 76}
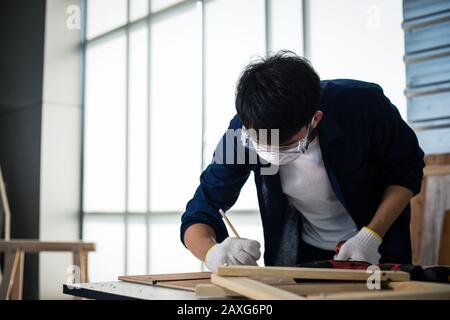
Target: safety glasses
{"x": 250, "y": 141}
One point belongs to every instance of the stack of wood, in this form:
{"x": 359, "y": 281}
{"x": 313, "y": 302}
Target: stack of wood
{"x": 292, "y": 283}
{"x": 430, "y": 214}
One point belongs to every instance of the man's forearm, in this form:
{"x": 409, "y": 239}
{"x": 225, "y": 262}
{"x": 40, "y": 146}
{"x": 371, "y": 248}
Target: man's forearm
{"x": 199, "y": 238}
{"x": 395, "y": 199}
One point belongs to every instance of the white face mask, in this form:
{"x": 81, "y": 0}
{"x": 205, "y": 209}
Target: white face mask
{"x": 274, "y": 155}
{"x": 277, "y": 158}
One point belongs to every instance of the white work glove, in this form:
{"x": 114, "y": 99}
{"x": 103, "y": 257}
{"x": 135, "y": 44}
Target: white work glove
{"x": 233, "y": 251}
{"x": 361, "y": 247}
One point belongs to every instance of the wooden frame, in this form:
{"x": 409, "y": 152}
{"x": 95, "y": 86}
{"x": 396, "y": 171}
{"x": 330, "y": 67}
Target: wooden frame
{"x": 254, "y": 289}
{"x": 234, "y": 281}
{"x": 5, "y": 208}
{"x": 14, "y": 253}
{"x": 309, "y": 273}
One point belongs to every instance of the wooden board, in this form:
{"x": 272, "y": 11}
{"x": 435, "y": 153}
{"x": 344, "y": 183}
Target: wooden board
{"x": 427, "y": 209}
{"x": 214, "y": 291}
{"x": 331, "y": 290}
{"x": 436, "y": 204}
{"x": 187, "y": 285}
{"x": 4, "y": 207}
{"x": 191, "y": 285}
{"x": 259, "y": 291}
{"x": 345, "y": 290}
{"x": 12, "y": 264}
{"x": 153, "y": 278}
{"x": 417, "y": 209}
{"x": 38, "y": 246}
{"x": 444, "y": 251}
{"x": 207, "y": 285}
{"x": 189, "y": 281}
{"x": 309, "y": 273}
{"x": 184, "y": 281}
{"x": 434, "y": 170}
{"x": 408, "y": 290}
{"x": 254, "y": 289}
{"x": 274, "y": 276}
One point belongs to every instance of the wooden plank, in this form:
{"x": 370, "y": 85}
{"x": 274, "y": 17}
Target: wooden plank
{"x": 309, "y": 273}
{"x": 188, "y": 281}
{"x": 417, "y": 285}
{"x": 5, "y": 207}
{"x": 418, "y": 203}
{"x": 187, "y": 285}
{"x": 154, "y": 278}
{"x": 416, "y": 224}
{"x": 80, "y": 258}
{"x": 444, "y": 250}
{"x": 76, "y": 260}
{"x": 85, "y": 266}
{"x": 407, "y": 290}
{"x": 38, "y": 246}
{"x": 434, "y": 170}
{"x": 428, "y": 294}
{"x": 438, "y": 201}
{"x": 17, "y": 288}
{"x": 358, "y": 291}
{"x": 253, "y": 289}
{"x": 12, "y": 259}
{"x": 425, "y": 294}
{"x": 214, "y": 291}
{"x": 437, "y": 159}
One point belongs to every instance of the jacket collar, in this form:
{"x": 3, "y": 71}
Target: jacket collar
{"x": 329, "y": 128}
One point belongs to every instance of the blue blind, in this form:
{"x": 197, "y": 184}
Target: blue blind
{"x": 427, "y": 58}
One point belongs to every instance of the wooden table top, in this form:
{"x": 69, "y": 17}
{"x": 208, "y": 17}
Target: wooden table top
{"x": 27, "y": 245}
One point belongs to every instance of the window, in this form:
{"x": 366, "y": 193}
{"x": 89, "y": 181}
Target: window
{"x": 286, "y": 26}
{"x": 105, "y": 116}
{"x": 176, "y": 108}
{"x": 108, "y": 261}
{"x": 158, "y": 98}
{"x": 359, "y": 39}
{"x": 234, "y": 36}
{"x": 104, "y": 15}
{"x": 159, "y": 92}
{"x": 137, "y": 119}
{"x": 138, "y": 9}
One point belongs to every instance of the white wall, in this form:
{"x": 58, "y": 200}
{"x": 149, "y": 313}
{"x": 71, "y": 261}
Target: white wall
{"x": 60, "y": 145}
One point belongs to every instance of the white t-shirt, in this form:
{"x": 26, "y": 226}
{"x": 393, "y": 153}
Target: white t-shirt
{"x": 305, "y": 183}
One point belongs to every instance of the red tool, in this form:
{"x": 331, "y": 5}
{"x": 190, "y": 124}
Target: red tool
{"x": 416, "y": 272}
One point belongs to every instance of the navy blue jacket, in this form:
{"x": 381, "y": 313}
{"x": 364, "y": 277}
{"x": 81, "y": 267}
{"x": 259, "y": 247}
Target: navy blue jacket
{"x": 366, "y": 146}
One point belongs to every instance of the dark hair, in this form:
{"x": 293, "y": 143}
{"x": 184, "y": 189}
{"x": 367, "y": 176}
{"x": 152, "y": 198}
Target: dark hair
{"x": 279, "y": 92}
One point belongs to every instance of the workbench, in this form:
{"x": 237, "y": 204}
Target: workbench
{"x": 121, "y": 290}
{"x": 265, "y": 283}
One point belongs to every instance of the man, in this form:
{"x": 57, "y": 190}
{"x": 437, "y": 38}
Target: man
{"x": 348, "y": 166}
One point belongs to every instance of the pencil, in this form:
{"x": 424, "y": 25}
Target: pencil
{"x": 229, "y": 223}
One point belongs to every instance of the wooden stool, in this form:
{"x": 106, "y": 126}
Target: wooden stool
{"x": 14, "y": 252}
